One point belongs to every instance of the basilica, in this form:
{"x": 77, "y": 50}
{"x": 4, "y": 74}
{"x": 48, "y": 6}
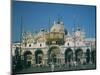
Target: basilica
{"x": 56, "y": 45}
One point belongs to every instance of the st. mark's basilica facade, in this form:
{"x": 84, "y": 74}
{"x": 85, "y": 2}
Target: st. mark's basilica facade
{"x": 55, "y": 46}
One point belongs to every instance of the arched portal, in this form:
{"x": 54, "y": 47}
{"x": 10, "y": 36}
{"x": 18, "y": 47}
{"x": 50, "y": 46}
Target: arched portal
{"x": 54, "y": 55}
{"x": 39, "y": 56}
{"x": 93, "y": 56}
{"x": 27, "y": 58}
{"x": 17, "y": 53}
{"x": 68, "y": 55}
{"x": 87, "y": 55}
{"x": 78, "y": 55}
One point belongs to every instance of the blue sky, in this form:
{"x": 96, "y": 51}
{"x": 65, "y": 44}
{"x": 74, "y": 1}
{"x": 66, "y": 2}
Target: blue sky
{"x": 36, "y": 16}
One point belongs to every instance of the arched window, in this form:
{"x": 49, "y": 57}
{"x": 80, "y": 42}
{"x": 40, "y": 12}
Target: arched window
{"x": 40, "y": 45}
{"x": 29, "y": 45}
{"x": 68, "y": 44}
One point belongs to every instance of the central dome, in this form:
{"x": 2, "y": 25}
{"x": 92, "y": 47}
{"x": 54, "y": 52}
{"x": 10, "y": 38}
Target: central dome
{"x": 58, "y": 27}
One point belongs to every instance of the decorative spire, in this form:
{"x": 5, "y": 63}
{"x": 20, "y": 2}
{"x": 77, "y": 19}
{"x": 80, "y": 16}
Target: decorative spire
{"x": 58, "y": 20}
{"x": 78, "y": 27}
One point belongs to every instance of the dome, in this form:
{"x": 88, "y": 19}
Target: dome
{"x": 79, "y": 33}
{"x": 58, "y": 27}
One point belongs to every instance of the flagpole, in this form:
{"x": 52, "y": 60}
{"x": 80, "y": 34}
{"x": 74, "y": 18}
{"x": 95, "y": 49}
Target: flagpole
{"x": 74, "y": 57}
{"x": 20, "y": 35}
{"x": 20, "y": 43}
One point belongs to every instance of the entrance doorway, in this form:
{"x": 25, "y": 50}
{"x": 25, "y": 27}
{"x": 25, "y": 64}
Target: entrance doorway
{"x": 27, "y": 58}
{"x": 39, "y": 57}
{"x": 54, "y": 55}
{"x": 68, "y": 55}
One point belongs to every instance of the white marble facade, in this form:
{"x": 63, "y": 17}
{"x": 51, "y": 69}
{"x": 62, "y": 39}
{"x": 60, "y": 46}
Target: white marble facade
{"x": 44, "y": 47}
